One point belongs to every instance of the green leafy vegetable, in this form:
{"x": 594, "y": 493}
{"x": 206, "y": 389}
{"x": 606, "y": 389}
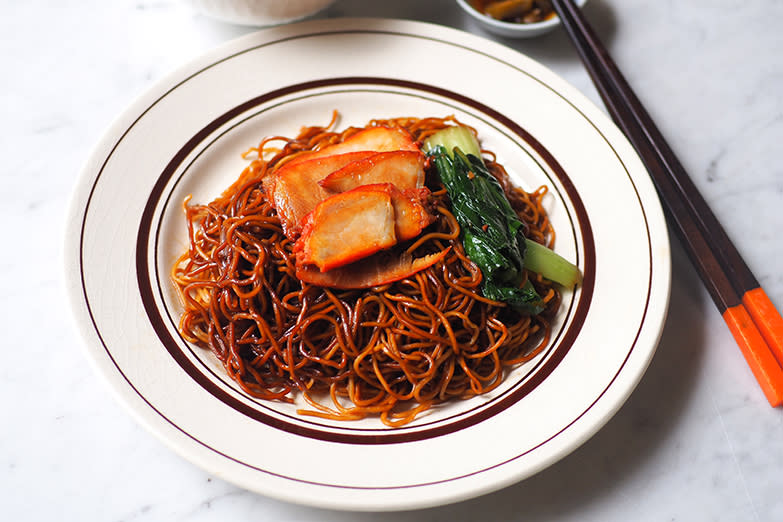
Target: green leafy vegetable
{"x": 491, "y": 231}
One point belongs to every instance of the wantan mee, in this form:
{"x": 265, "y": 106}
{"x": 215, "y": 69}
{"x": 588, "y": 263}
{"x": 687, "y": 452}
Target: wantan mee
{"x": 336, "y": 267}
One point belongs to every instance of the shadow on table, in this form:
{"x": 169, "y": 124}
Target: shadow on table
{"x": 553, "y": 47}
{"x": 628, "y": 440}
{"x": 618, "y": 451}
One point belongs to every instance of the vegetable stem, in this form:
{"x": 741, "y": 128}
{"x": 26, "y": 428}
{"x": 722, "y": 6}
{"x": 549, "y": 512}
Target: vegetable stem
{"x": 452, "y": 138}
{"x": 542, "y": 260}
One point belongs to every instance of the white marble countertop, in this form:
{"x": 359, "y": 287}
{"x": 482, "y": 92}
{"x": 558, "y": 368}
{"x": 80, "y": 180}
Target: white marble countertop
{"x": 696, "y": 440}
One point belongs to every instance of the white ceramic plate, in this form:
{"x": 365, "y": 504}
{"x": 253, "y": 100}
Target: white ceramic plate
{"x": 185, "y": 136}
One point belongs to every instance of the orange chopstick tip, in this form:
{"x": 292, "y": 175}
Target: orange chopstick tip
{"x": 767, "y": 319}
{"x": 759, "y": 356}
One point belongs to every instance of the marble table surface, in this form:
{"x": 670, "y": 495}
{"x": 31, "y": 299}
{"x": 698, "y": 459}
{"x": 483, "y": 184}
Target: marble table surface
{"x": 695, "y": 441}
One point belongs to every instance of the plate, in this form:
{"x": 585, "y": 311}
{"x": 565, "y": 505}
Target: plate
{"x": 186, "y": 135}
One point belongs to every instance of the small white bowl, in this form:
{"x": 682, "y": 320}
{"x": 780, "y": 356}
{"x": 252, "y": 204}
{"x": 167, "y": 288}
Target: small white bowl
{"x": 510, "y": 29}
{"x": 258, "y": 12}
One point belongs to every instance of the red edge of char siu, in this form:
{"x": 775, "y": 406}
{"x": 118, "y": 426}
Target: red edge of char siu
{"x": 347, "y": 205}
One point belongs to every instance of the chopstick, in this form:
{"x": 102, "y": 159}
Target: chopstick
{"x": 750, "y": 315}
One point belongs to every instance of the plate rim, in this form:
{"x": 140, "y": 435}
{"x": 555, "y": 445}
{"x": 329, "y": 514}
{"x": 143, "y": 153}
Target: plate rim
{"x": 98, "y": 156}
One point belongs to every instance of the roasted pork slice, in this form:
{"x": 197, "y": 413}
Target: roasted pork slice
{"x": 379, "y": 269}
{"x": 347, "y": 227}
{"x": 410, "y": 214}
{"x": 377, "y": 139}
{"x": 294, "y": 191}
{"x": 403, "y": 168}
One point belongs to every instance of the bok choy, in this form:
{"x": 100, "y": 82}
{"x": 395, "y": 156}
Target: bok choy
{"x": 491, "y": 231}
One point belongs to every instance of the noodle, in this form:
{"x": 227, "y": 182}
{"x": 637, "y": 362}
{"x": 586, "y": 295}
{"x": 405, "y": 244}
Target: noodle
{"x": 391, "y": 351}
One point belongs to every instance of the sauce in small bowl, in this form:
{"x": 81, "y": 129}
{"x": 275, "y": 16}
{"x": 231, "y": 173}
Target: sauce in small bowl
{"x": 514, "y": 18}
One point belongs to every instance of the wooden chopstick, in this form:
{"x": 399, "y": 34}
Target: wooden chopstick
{"x": 750, "y": 315}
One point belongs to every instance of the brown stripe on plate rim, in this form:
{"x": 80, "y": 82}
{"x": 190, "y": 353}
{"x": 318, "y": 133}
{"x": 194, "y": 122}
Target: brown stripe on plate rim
{"x": 390, "y": 436}
{"x": 529, "y": 368}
